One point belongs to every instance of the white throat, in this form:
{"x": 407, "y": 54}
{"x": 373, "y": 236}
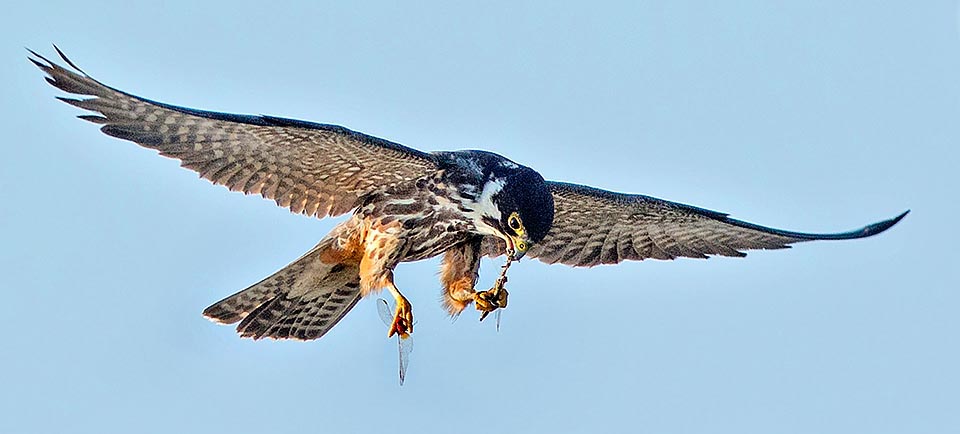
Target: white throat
{"x": 484, "y": 207}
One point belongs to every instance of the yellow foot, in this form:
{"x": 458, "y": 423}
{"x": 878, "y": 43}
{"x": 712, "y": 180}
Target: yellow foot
{"x": 402, "y": 319}
{"x": 491, "y": 300}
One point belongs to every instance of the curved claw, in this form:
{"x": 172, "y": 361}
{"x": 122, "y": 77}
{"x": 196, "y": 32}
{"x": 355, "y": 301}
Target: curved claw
{"x": 496, "y": 297}
{"x": 402, "y": 319}
{"x": 491, "y": 300}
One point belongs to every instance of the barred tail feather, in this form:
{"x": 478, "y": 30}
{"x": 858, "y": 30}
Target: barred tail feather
{"x": 302, "y": 301}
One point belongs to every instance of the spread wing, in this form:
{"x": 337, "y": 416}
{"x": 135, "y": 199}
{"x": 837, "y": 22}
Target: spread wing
{"x": 593, "y": 226}
{"x": 311, "y": 168}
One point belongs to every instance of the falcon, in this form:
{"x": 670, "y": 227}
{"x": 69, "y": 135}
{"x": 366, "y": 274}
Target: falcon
{"x": 404, "y": 205}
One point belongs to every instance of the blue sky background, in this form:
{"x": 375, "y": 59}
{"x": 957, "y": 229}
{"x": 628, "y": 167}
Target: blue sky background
{"x": 807, "y": 115}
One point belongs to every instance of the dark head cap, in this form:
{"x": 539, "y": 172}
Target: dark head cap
{"x": 525, "y": 194}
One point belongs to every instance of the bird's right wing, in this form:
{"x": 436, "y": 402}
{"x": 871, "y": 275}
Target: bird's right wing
{"x": 314, "y": 169}
{"x": 593, "y": 226}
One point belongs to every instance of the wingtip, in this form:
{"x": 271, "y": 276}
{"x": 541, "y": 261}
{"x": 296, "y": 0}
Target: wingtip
{"x": 67, "y": 60}
{"x": 37, "y": 59}
{"x": 879, "y": 227}
{"x": 33, "y": 53}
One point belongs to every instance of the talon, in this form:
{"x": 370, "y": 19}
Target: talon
{"x": 491, "y": 300}
{"x": 502, "y": 297}
{"x": 402, "y": 319}
{"x": 496, "y": 297}
{"x": 485, "y": 301}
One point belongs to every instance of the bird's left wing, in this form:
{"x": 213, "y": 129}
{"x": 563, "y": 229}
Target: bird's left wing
{"x": 593, "y": 226}
{"x": 314, "y": 169}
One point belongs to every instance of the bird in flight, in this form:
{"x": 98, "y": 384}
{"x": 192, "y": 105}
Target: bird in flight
{"x": 405, "y": 205}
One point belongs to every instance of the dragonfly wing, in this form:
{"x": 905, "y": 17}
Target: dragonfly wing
{"x": 383, "y": 308}
{"x": 404, "y": 345}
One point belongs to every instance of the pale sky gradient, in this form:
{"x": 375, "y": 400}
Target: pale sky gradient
{"x": 805, "y": 115}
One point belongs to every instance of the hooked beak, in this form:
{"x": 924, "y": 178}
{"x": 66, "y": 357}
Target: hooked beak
{"x": 517, "y": 247}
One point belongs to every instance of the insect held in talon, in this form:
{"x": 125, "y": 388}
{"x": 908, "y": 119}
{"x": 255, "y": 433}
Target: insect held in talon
{"x": 404, "y": 205}
{"x": 404, "y": 342}
{"x": 495, "y": 299}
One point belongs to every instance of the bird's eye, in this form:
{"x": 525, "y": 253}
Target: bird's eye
{"x": 514, "y": 222}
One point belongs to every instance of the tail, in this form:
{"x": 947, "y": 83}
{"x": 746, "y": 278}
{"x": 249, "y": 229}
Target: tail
{"x": 302, "y": 301}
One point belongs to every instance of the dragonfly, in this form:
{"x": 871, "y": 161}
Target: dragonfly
{"x": 404, "y": 344}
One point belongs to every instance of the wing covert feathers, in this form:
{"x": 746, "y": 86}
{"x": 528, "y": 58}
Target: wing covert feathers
{"x": 593, "y": 226}
{"x": 310, "y": 168}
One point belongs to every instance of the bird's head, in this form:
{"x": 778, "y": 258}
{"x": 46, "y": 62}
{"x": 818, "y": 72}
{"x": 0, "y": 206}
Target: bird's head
{"x": 520, "y": 207}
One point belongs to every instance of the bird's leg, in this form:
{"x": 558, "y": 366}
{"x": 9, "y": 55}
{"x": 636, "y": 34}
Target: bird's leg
{"x": 461, "y": 266}
{"x": 496, "y": 297}
{"x": 403, "y": 316}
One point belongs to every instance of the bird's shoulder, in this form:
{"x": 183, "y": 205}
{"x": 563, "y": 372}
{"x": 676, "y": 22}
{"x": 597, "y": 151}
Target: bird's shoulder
{"x": 475, "y": 164}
